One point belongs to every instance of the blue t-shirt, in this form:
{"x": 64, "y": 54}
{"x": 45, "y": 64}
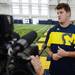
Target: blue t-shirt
{"x": 65, "y": 39}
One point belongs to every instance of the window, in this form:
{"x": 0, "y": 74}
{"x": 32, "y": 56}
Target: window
{"x": 44, "y": 1}
{"x": 15, "y": 0}
{"x": 44, "y": 10}
{"x": 15, "y": 9}
{"x": 34, "y": 1}
{"x": 25, "y": 1}
{"x": 25, "y": 9}
{"x": 35, "y": 10}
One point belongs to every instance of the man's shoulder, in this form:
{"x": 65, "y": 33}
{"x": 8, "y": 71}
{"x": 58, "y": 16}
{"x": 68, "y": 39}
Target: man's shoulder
{"x": 73, "y": 25}
{"x": 72, "y": 28}
{"x": 53, "y": 28}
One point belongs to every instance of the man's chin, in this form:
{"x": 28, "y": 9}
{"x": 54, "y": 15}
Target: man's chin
{"x": 60, "y": 22}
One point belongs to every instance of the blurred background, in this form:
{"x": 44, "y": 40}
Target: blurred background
{"x": 37, "y": 15}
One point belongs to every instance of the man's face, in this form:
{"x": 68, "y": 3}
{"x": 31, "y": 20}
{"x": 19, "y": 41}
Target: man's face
{"x": 62, "y": 15}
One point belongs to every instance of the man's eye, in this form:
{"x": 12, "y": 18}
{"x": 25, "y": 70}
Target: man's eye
{"x": 61, "y": 12}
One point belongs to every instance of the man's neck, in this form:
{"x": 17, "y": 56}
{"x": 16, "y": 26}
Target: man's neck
{"x": 65, "y": 24}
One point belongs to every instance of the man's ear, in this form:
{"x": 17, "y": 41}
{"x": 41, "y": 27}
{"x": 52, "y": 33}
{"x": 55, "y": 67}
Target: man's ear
{"x": 68, "y": 14}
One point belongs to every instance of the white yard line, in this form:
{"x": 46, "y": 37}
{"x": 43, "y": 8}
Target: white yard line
{"x": 41, "y": 29}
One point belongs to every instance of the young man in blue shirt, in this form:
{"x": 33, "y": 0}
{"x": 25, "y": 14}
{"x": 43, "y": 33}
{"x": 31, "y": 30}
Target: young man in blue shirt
{"x": 61, "y": 43}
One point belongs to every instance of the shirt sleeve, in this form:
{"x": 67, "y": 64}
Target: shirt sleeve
{"x": 47, "y": 38}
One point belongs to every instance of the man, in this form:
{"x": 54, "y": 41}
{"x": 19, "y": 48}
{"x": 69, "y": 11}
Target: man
{"x": 61, "y": 43}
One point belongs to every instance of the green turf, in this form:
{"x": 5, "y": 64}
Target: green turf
{"x": 23, "y": 29}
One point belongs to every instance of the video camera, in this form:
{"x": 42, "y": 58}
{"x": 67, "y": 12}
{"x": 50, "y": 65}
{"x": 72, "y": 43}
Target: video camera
{"x": 18, "y": 50}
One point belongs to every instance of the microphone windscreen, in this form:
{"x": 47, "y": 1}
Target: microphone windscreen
{"x": 30, "y": 37}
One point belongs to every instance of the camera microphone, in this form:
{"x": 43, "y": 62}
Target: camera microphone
{"x": 25, "y": 41}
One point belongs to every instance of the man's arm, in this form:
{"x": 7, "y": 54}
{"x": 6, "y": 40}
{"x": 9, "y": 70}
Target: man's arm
{"x": 64, "y": 53}
{"x": 71, "y": 53}
{"x": 54, "y": 56}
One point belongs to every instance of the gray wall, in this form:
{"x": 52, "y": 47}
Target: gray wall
{"x": 5, "y": 7}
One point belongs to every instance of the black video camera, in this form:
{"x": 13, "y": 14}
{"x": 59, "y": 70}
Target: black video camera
{"x": 19, "y": 53}
{"x": 17, "y": 50}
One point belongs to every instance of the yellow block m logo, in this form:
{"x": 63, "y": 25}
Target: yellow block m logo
{"x": 68, "y": 38}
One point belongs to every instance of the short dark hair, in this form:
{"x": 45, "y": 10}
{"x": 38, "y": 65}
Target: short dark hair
{"x": 65, "y": 6}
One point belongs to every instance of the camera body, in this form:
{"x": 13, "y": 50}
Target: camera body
{"x": 15, "y": 53}
{"x": 20, "y": 64}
